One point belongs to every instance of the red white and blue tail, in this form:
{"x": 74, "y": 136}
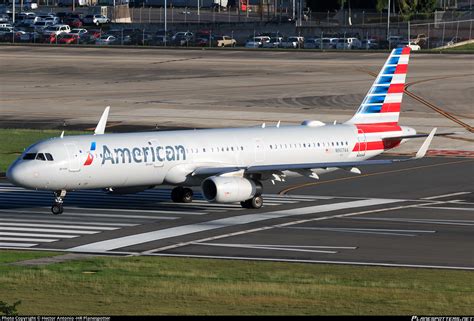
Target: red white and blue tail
{"x": 381, "y": 105}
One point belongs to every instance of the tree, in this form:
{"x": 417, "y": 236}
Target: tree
{"x": 381, "y": 4}
{"x": 9, "y": 310}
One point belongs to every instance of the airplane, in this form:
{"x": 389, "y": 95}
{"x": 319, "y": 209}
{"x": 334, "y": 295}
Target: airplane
{"x": 228, "y": 164}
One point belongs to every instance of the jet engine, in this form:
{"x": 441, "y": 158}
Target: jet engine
{"x": 221, "y": 189}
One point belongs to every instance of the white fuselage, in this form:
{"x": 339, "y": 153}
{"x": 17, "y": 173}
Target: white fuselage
{"x": 154, "y": 158}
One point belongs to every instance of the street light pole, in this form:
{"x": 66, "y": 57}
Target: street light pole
{"x": 166, "y": 27}
{"x": 388, "y": 24}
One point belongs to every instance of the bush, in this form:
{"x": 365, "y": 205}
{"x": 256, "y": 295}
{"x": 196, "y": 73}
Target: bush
{"x": 9, "y": 310}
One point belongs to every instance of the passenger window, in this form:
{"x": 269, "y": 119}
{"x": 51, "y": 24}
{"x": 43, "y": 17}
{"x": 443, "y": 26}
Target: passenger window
{"x": 49, "y": 157}
{"x": 29, "y": 156}
{"x": 40, "y": 156}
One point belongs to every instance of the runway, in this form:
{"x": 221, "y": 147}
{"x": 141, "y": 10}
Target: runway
{"x": 415, "y": 214}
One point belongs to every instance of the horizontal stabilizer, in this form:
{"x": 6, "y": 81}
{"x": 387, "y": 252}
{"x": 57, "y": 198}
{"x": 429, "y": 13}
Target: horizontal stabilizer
{"x": 100, "y": 129}
{"x": 417, "y": 136}
{"x": 424, "y": 148}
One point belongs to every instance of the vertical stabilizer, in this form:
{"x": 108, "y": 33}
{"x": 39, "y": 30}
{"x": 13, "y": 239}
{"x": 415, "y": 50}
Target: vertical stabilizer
{"x": 382, "y": 103}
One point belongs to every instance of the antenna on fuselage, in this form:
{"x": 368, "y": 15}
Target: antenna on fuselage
{"x": 263, "y": 125}
{"x": 278, "y": 124}
{"x": 62, "y": 135}
{"x": 100, "y": 129}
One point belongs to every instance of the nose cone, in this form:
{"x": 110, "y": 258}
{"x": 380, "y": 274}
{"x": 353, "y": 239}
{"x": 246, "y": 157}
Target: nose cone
{"x": 14, "y": 175}
{"x": 20, "y": 175}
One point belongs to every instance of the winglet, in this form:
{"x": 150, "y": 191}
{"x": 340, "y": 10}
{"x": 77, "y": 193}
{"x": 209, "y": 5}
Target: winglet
{"x": 424, "y": 148}
{"x": 100, "y": 129}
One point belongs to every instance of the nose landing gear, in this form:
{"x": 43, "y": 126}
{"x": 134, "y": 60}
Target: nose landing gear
{"x": 57, "y": 207}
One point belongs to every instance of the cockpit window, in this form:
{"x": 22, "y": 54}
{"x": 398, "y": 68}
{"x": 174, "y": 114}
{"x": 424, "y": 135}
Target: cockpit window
{"x": 49, "y": 156}
{"x": 40, "y": 156}
{"x": 29, "y": 156}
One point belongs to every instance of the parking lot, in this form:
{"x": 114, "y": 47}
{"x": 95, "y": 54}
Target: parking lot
{"x": 84, "y": 28}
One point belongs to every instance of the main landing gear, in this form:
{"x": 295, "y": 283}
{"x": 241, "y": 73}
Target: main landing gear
{"x": 255, "y": 202}
{"x": 57, "y": 207}
{"x": 182, "y": 195}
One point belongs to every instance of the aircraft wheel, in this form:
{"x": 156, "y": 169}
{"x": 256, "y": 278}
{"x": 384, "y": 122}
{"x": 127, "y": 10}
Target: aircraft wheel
{"x": 57, "y": 209}
{"x": 245, "y": 204}
{"x": 176, "y": 194}
{"x": 255, "y": 202}
{"x": 187, "y": 195}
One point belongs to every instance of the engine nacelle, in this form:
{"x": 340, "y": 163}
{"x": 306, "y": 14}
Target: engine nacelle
{"x": 221, "y": 189}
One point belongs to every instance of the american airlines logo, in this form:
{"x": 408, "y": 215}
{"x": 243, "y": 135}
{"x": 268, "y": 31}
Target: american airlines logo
{"x": 90, "y": 155}
{"x": 148, "y": 154}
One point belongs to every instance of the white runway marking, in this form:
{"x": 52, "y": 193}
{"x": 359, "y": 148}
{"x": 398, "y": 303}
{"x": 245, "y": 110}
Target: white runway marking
{"x": 17, "y": 244}
{"x": 48, "y": 230}
{"x": 315, "y": 261}
{"x": 259, "y": 229}
{"x": 419, "y": 220}
{"x": 61, "y": 236}
{"x": 130, "y": 240}
{"x": 101, "y": 228}
{"x": 365, "y": 230}
{"x": 25, "y": 239}
{"x": 243, "y": 246}
{"x": 55, "y": 220}
{"x": 449, "y": 208}
{"x": 150, "y": 217}
{"x": 444, "y": 195}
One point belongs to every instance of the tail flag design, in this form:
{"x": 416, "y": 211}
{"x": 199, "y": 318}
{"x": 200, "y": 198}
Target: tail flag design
{"x": 381, "y": 105}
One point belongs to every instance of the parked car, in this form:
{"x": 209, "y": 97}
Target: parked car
{"x": 161, "y": 40}
{"x": 30, "y": 20}
{"x": 369, "y": 44}
{"x": 81, "y": 34}
{"x": 73, "y": 22}
{"x": 330, "y": 43}
{"x": 4, "y": 30}
{"x": 203, "y": 41}
{"x": 182, "y": 38}
{"x": 68, "y": 38}
{"x": 4, "y": 17}
{"x": 57, "y": 29}
{"x": 395, "y": 40}
{"x": 348, "y": 43}
{"x": 96, "y": 19}
{"x": 224, "y": 41}
{"x": 257, "y": 42}
{"x": 106, "y": 40}
{"x": 61, "y": 15}
{"x": 39, "y": 26}
{"x": 281, "y": 19}
{"x": 453, "y": 41}
{"x": 292, "y": 42}
{"x": 274, "y": 42}
{"x": 312, "y": 43}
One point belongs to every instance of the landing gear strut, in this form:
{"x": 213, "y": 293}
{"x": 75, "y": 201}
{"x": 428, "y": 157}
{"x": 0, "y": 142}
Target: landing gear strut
{"x": 57, "y": 207}
{"x": 255, "y": 202}
{"x": 182, "y": 195}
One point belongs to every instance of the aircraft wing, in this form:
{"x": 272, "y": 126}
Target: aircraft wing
{"x": 208, "y": 171}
